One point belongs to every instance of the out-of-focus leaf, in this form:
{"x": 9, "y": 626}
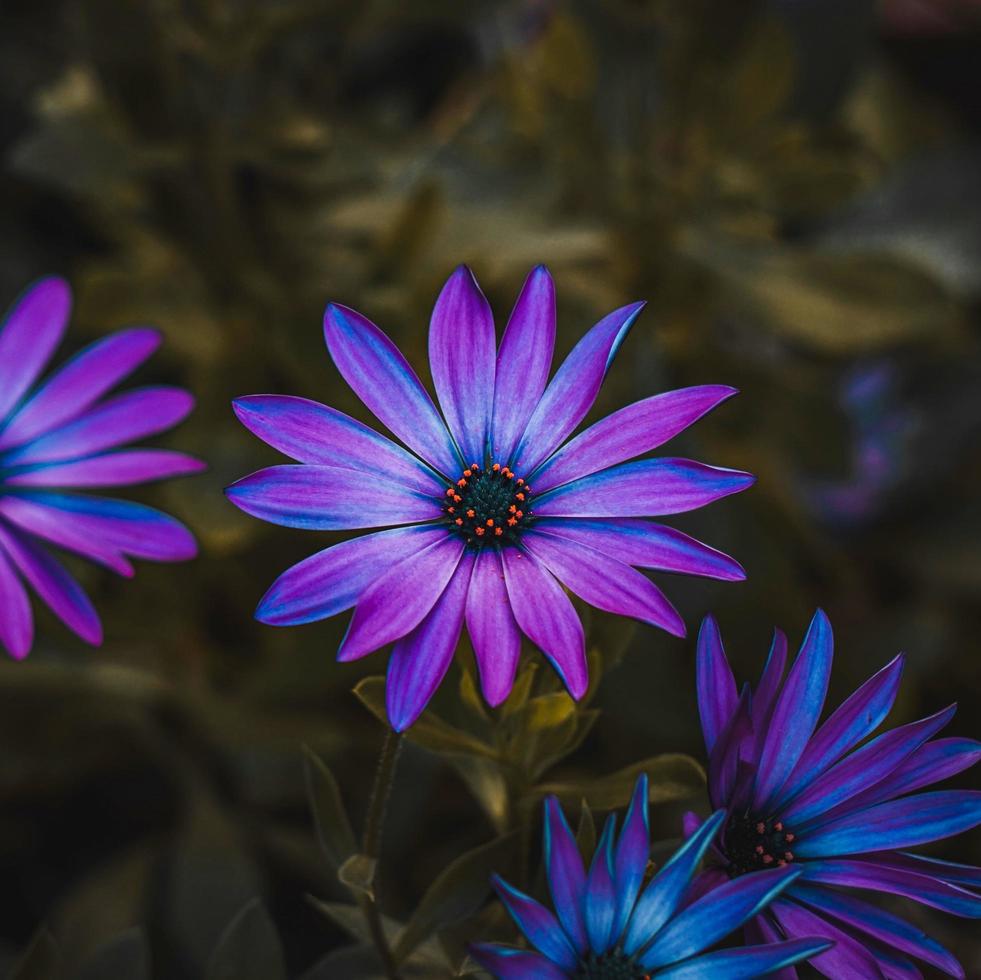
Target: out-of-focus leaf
{"x": 763, "y": 77}
{"x": 488, "y": 785}
{"x": 249, "y": 949}
{"x": 583, "y": 725}
{"x": 358, "y": 873}
{"x": 586, "y": 833}
{"x": 40, "y": 960}
{"x": 521, "y": 690}
{"x": 333, "y": 826}
{"x": 126, "y": 956}
{"x": 544, "y": 713}
{"x": 469, "y": 694}
{"x": 349, "y": 963}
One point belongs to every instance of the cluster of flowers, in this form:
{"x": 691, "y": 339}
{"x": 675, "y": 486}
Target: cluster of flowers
{"x": 805, "y": 814}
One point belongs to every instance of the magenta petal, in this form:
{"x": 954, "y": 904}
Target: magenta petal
{"x": 62, "y": 594}
{"x": 382, "y": 378}
{"x": 124, "y": 418}
{"x": 717, "y": 697}
{"x": 645, "y": 488}
{"x": 604, "y": 582}
{"x": 630, "y": 432}
{"x": 547, "y": 616}
{"x": 80, "y": 383}
{"x": 462, "y": 361}
{"x": 31, "y": 331}
{"x": 572, "y": 391}
{"x": 399, "y": 600}
{"x": 523, "y": 361}
{"x": 420, "y": 660}
{"x": 313, "y": 433}
{"x": 16, "y": 620}
{"x": 328, "y": 498}
{"x": 492, "y": 627}
{"x": 124, "y": 468}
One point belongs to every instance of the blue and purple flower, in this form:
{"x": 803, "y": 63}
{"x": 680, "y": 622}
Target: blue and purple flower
{"x": 64, "y": 436}
{"x": 490, "y": 514}
{"x": 839, "y": 808}
{"x": 616, "y": 922}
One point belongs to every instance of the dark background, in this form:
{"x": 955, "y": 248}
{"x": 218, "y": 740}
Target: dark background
{"x": 795, "y": 188}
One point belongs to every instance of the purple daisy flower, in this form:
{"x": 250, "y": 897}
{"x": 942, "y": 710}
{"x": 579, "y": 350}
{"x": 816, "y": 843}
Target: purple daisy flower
{"x": 497, "y": 514}
{"x": 841, "y": 812}
{"x": 611, "y": 923}
{"x": 62, "y": 436}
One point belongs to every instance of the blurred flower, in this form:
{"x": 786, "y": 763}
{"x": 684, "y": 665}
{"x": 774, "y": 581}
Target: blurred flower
{"x": 609, "y": 924}
{"x": 57, "y": 437}
{"x": 481, "y": 545}
{"x": 842, "y": 817}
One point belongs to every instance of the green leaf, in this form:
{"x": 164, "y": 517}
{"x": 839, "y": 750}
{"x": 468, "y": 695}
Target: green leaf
{"x": 334, "y": 830}
{"x": 39, "y": 961}
{"x": 358, "y": 873}
{"x": 586, "y": 833}
{"x": 521, "y": 689}
{"x": 487, "y": 784}
{"x": 249, "y": 949}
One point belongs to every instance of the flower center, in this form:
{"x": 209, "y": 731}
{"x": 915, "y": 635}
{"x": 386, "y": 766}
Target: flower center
{"x": 489, "y": 504}
{"x": 610, "y": 966}
{"x": 752, "y": 844}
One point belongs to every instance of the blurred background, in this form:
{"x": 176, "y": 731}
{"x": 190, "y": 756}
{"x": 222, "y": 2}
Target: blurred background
{"x": 794, "y": 186}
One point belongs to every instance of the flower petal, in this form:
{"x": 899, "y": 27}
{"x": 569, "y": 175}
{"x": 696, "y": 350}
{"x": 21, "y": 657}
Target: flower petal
{"x": 633, "y": 853}
{"x": 964, "y": 874}
{"x": 121, "y": 468}
{"x": 30, "y": 332}
{"x": 16, "y": 620}
{"x": 462, "y": 361}
{"x": 630, "y": 432}
{"x": 492, "y": 627}
{"x": 566, "y": 876}
{"x": 328, "y": 498}
{"x": 538, "y": 924}
{"x": 523, "y": 361}
{"x": 515, "y": 964}
{"x": 381, "y": 377}
{"x": 546, "y": 615}
{"x": 750, "y": 961}
{"x": 601, "y": 899}
{"x": 420, "y": 659}
{"x": 717, "y": 697}
{"x": 574, "y": 388}
{"x": 310, "y": 432}
{"x": 645, "y": 488}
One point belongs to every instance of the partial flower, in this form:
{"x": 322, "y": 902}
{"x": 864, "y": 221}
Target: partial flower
{"x": 63, "y": 436}
{"x": 489, "y": 511}
{"x": 840, "y": 809}
{"x": 615, "y": 922}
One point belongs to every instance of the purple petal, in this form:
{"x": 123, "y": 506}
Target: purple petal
{"x": 538, "y": 924}
{"x": 964, "y": 874}
{"x": 420, "y": 659}
{"x": 630, "y": 432}
{"x": 16, "y": 621}
{"x": 765, "y": 695}
{"x": 124, "y": 418}
{"x": 899, "y": 823}
{"x": 601, "y": 899}
{"x": 60, "y": 592}
{"x": 523, "y": 361}
{"x": 124, "y": 468}
{"x": 750, "y": 961}
{"x": 604, "y": 582}
{"x": 31, "y": 331}
{"x": 382, "y": 378}
{"x": 462, "y": 361}
{"x": 398, "y": 601}
{"x": 515, "y": 964}
{"x": 647, "y": 545}
{"x": 332, "y": 580}
{"x": 717, "y": 697}
{"x": 492, "y": 627}
{"x": 728, "y": 761}
{"x": 80, "y": 383}
{"x": 546, "y": 615}
{"x": 797, "y": 711}
{"x": 633, "y": 853}
{"x": 707, "y": 880}
{"x": 328, "y": 498}
{"x": 645, "y": 488}
{"x": 573, "y": 389}
{"x": 566, "y": 876}
{"x": 310, "y": 432}
{"x": 764, "y": 930}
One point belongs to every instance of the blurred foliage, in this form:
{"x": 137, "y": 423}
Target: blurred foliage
{"x": 792, "y": 185}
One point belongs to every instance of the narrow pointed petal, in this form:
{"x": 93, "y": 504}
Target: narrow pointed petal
{"x": 750, "y": 961}
{"x": 492, "y": 627}
{"x": 398, "y": 601}
{"x": 310, "y": 432}
{"x": 332, "y": 580}
{"x": 633, "y": 853}
{"x": 601, "y": 899}
{"x": 964, "y": 874}
{"x": 328, "y": 498}
{"x": 899, "y": 823}
{"x": 717, "y": 697}
{"x": 49, "y": 579}
{"x": 604, "y": 582}
{"x": 728, "y": 761}
{"x": 126, "y": 467}
{"x": 763, "y": 930}
{"x": 797, "y": 711}
{"x": 515, "y": 964}
{"x": 420, "y": 659}
{"x": 645, "y": 488}
{"x": 547, "y": 617}
{"x": 572, "y": 391}
{"x": 462, "y": 360}
{"x": 381, "y": 377}
{"x": 29, "y": 334}
{"x": 538, "y": 924}
{"x": 663, "y": 896}
{"x": 16, "y": 619}
{"x": 80, "y": 383}
{"x": 765, "y": 695}
{"x": 630, "y": 432}
{"x": 566, "y": 876}
{"x": 523, "y": 361}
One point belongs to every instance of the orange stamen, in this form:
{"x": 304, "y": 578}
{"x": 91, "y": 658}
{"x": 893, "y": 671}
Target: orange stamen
{"x": 471, "y": 513}
{"x": 496, "y": 467}
{"x": 479, "y": 532}
{"x": 490, "y": 521}
{"x": 458, "y": 522}
{"x": 498, "y": 531}
{"x": 519, "y": 496}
